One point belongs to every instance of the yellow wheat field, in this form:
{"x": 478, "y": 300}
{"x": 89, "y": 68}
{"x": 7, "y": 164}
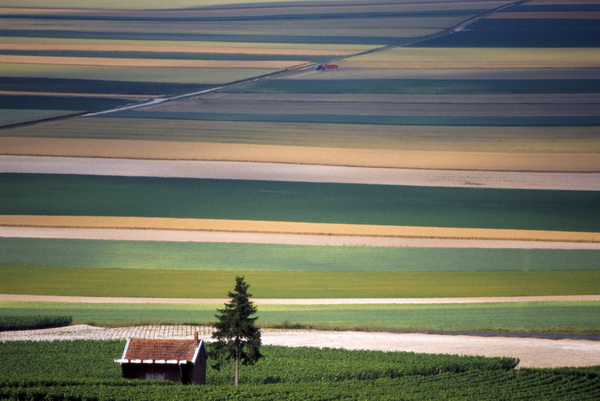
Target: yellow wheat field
{"x": 194, "y": 49}
{"x": 436, "y": 160}
{"x": 478, "y": 58}
{"x": 279, "y": 227}
{"x": 153, "y": 63}
{"x": 24, "y": 43}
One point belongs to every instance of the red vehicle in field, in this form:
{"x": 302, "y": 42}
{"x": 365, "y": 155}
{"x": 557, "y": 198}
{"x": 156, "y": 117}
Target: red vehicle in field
{"x": 326, "y": 67}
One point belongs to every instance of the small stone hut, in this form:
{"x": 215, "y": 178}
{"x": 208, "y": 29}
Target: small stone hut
{"x": 181, "y": 361}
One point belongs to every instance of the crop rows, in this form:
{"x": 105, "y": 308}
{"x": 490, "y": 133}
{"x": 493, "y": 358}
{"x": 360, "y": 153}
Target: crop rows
{"x": 32, "y": 322}
{"x": 87, "y": 370}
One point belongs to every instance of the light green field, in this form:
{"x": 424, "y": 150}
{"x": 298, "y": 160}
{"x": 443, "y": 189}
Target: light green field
{"x": 556, "y": 317}
{"x": 16, "y": 279}
{"x": 203, "y": 257}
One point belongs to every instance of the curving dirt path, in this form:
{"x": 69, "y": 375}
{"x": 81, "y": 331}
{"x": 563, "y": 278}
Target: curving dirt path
{"x": 532, "y": 352}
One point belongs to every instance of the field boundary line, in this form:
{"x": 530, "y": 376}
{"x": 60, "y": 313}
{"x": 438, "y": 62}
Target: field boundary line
{"x": 295, "y": 301}
{"x": 278, "y": 227}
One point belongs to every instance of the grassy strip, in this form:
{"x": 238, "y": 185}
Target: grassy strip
{"x": 478, "y": 121}
{"x": 41, "y": 194}
{"x": 33, "y": 322}
{"x": 266, "y": 257}
{"x": 44, "y": 280}
{"x": 422, "y": 86}
{"x": 518, "y": 317}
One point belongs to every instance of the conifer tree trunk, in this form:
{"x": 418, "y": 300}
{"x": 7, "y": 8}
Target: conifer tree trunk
{"x": 237, "y": 365}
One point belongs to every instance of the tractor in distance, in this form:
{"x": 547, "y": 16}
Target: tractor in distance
{"x": 326, "y": 67}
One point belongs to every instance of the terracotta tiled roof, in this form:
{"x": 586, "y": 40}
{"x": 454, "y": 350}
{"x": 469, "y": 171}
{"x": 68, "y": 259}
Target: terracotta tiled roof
{"x": 160, "y": 349}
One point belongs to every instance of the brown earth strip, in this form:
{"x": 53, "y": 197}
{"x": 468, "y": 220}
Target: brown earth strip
{"x": 152, "y": 63}
{"x": 436, "y": 160}
{"x": 278, "y": 227}
{"x": 294, "y": 301}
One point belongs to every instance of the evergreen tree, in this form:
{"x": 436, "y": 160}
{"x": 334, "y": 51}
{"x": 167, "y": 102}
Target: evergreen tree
{"x": 235, "y": 333}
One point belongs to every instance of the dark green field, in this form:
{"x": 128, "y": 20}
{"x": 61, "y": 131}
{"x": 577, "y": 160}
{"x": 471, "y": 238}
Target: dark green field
{"x": 306, "y": 202}
{"x": 421, "y": 86}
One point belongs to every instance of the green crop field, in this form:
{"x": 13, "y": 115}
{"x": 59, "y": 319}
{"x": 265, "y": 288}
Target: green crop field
{"x": 516, "y": 317}
{"x": 44, "y": 280}
{"x": 43, "y": 194}
{"x": 267, "y": 257}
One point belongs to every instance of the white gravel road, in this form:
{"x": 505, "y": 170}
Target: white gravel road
{"x": 532, "y": 352}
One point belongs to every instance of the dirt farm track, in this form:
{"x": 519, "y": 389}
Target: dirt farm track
{"x": 532, "y": 352}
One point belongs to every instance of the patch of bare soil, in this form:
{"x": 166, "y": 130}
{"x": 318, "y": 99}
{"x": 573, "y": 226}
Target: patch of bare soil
{"x": 532, "y": 352}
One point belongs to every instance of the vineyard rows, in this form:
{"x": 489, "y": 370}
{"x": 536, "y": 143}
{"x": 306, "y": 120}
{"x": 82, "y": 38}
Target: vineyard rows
{"x": 84, "y": 370}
